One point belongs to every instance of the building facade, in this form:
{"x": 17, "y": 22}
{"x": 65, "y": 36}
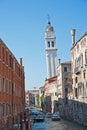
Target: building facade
{"x": 32, "y": 97}
{"x": 64, "y": 80}
{"x": 79, "y": 75}
{"x": 12, "y": 86}
{"x": 79, "y": 63}
{"x": 64, "y": 89}
{"x": 51, "y": 98}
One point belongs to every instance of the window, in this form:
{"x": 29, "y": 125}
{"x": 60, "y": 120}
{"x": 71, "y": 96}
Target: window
{"x": 86, "y": 57}
{"x": 10, "y": 61}
{"x": 77, "y": 48}
{"x": 6, "y": 57}
{"x": 56, "y": 93}
{"x": 79, "y": 61}
{"x": 3, "y": 53}
{"x": 3, "y": 84}
{"x": 84, "y": 75}
{"x": 65, "y": 69}
{"x": 6, "y": 86}
{"x": 75, "y": 92}
{"x": 76, "y": 79}
{"x": 66, "y": 90}
{"x": 52, "y": 44}
{"x": 80, "y": 89}
{"x": 48, "y": 44}
{"x": 19, "y": 71}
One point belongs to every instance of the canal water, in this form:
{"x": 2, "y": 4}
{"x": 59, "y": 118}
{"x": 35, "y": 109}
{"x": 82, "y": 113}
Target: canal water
{"x": 57, "y": 125}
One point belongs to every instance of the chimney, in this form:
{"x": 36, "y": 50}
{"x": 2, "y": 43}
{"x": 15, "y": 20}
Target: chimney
{"x": 21, "y": 61}
{"x": 59, "y": 61}
{"x": 73, "y": 36}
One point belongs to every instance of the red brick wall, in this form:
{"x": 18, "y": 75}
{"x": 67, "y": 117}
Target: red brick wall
{"x": 12, "y": 85}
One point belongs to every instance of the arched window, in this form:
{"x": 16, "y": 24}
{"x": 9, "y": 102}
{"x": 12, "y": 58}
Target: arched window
{"x": 48, "y": 44}
{"x": 52, "y": 44}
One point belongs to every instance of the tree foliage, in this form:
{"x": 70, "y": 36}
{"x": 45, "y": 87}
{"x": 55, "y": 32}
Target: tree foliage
{"x": 37, "y": 99}
{"x": 42, "y": 99}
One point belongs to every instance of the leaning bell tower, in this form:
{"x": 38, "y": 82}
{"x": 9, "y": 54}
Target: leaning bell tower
{"x": 51, "y": 50}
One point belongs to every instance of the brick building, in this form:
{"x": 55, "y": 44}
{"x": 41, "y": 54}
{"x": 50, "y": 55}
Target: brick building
{"x": 12, "y": 86}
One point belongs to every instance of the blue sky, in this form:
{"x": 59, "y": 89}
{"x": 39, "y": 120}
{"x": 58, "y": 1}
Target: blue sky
{"x": 22, "y": 28}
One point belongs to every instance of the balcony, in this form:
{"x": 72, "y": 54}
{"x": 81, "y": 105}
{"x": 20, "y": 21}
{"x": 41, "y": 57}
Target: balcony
{"x": 77, "y": 70}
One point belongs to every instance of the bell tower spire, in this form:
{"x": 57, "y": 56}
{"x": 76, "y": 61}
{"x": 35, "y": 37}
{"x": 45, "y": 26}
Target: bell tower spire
{"x": 51, "y": 50}
{"x": 48, "y": 19}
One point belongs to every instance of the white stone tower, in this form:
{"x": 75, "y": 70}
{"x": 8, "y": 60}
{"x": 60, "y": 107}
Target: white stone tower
{"x": 51, "y": 51}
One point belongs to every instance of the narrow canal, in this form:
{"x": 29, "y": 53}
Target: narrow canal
{"x": 58, "y": 125}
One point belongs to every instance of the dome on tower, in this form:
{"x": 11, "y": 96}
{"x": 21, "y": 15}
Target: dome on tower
{"x": 49, "y": 27}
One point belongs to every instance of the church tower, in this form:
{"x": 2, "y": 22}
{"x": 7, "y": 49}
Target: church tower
{"x": 51, "y": 50}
